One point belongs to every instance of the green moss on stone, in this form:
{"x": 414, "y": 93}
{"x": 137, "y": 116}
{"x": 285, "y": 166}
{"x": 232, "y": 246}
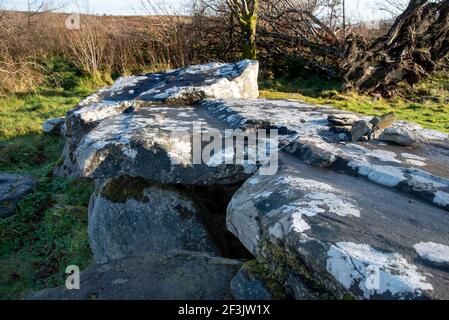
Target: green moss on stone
{"x": 262, "y": 271}
{"x": 123, "y": 188}
{"x": 279, "y": 264}
{"x": 119, "y": 190}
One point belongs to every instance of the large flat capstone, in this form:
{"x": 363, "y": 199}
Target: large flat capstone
{"x": 154, "y": 142}
{"x": 334, "y": 232}
{"x": 176, "y": 87}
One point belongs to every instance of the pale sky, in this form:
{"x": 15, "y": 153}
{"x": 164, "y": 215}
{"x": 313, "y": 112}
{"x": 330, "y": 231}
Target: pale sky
{"x": 356, "y": 9}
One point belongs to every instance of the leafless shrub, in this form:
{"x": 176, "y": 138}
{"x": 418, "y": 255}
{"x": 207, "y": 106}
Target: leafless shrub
{"x": 87, "y": 46}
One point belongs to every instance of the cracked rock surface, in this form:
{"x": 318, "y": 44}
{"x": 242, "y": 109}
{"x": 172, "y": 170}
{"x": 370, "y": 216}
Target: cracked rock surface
{"x": 342, "y": 226}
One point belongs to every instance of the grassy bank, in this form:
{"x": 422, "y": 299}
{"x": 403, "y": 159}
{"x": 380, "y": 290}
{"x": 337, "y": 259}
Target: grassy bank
{"x": 49, "y": 232}
{"x": 427, "y": 104}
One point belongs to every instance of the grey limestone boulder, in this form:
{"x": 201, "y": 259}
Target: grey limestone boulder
{"x": 420, "y": 170}
{"x": 335, "y": 235}
{"x": 130, "y": 216}
{"x": 248, "y": 286}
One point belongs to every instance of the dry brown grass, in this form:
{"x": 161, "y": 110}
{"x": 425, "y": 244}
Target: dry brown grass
{"x": 103, "y": 45}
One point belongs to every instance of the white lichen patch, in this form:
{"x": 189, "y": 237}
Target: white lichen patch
{"x": 316, "y": 203}
{"x": 264, "y": 195}
{"x": 441, "y": 198}
{"x": 129, "y": 152}
{"x": 255, "y": 180}
{"x": 433, "y": 252}
{"x": 297, "y": 183}
{"x": 412, "y": 156}
{"x": 125, "y": 82}
{"x": 101, "y": 110}
{"x": 351, "y": 263}
{"x": 424, "y": 178}
{"x": 416, "y": 163}
{"x": 316, "y": 198}
{"x": 389, "y": 176}
{"x": 383, "y": 155}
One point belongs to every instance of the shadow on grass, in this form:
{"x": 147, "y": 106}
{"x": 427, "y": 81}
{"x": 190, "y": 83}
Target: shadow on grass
{"x": 49, "y": 230}
{"x": 31, "y": 153}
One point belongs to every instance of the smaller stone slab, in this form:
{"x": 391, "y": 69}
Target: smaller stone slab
{"x": 13, "y": 188}
{"x": 176, "y": 275}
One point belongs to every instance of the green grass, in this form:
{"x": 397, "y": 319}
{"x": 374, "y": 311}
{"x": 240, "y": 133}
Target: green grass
{"x": 49, "y": 231}
{"x": 431, "y": 113}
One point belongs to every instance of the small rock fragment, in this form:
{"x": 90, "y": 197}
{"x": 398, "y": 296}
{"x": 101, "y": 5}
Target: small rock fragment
{"x": 13, "y": 188}
{"x": 129, "y": 216}
{"x": 53, "y": 126}
{"x": 343, "y": 119}
{"x": 360, "y": 129}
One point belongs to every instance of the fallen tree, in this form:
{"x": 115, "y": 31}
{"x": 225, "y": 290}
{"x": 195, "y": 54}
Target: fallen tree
{"x": 412, "y": 49}
{"x": 289, "y": 28}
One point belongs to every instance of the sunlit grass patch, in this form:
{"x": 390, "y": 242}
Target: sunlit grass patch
{"x": 427, "y": 104}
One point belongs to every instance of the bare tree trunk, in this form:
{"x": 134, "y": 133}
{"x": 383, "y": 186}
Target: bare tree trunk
{"x": 412, "y": 49}
{"x": 246, "y": 12}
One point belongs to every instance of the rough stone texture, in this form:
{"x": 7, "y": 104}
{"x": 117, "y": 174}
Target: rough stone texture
{"x": 421, "y": 170}
{"x": 247, "y": 286}
{"x": 327, "y": 230}
{"x": 360, "y": 129}
{"x": 383, "y": 122}
{"x": 176, "y": 87}
{"x": 129, "y": 216}
{"x": 176, "y": 275}
{"x": 146, "y": 143}
{"x": 13, "y": 188}
{"x": 343, "y": 119}
{"x": 402, "y": 136}
{"x": 54, "y": 126}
